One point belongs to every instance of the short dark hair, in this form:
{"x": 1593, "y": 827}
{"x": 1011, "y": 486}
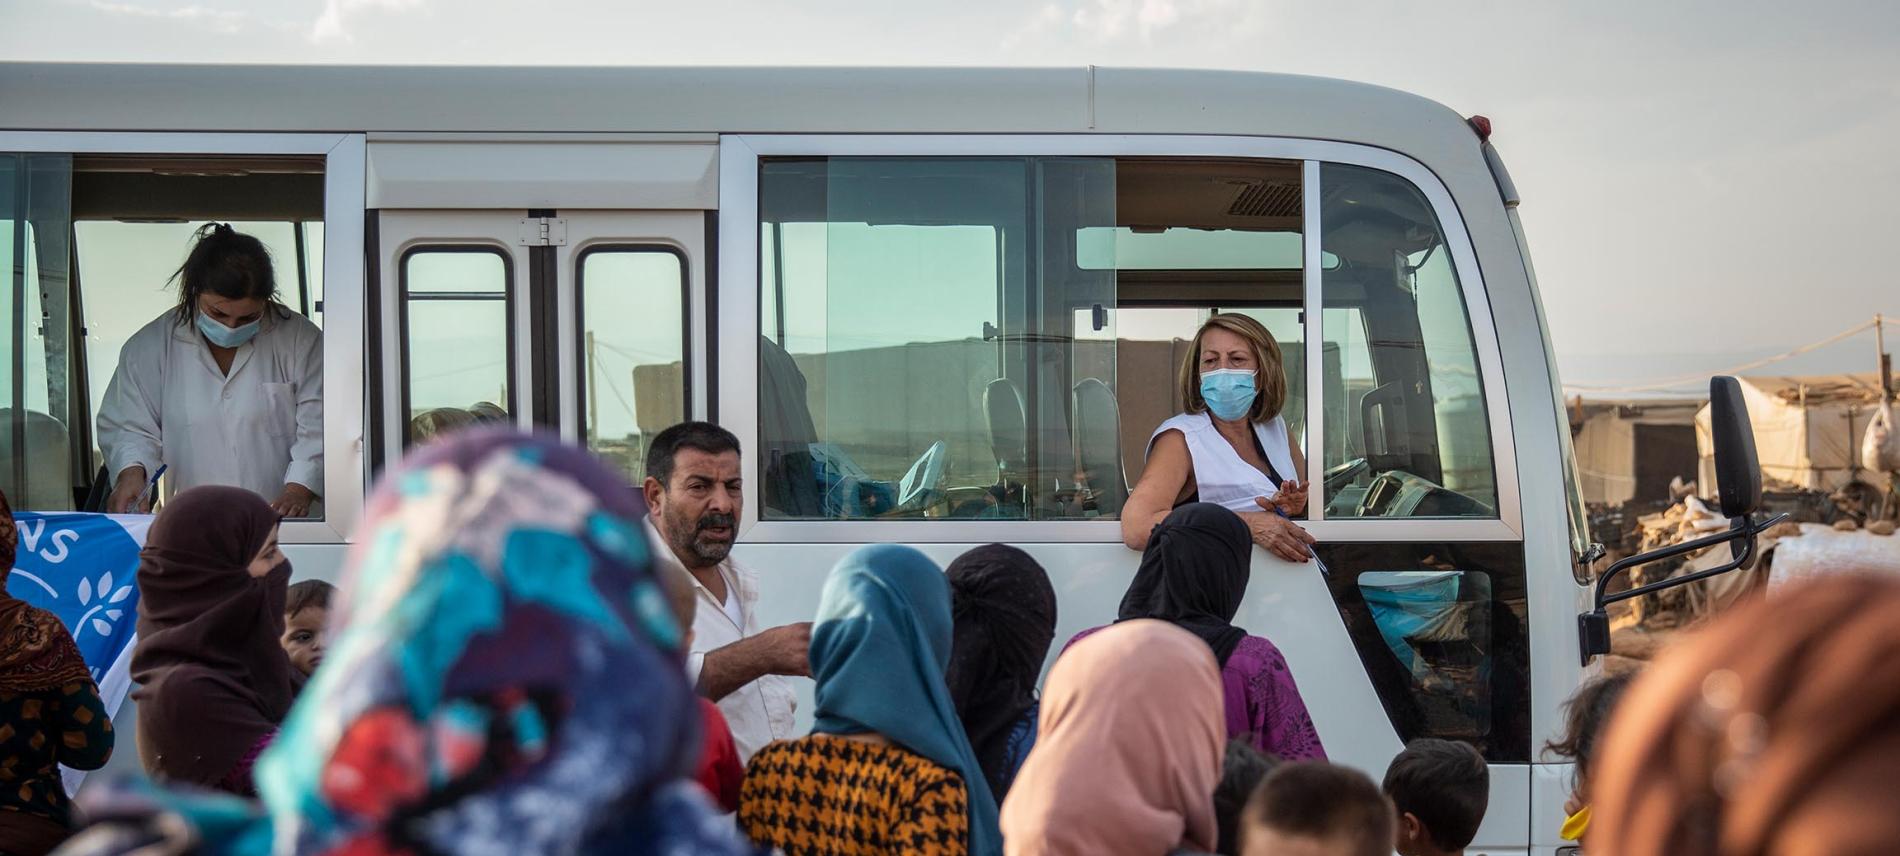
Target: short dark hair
{"x": 229, "y": 264}
{"x": 1443, "y": 783}
{"x": 1586, "y": 714}
{"x": 309, "y": 594}
{"x": 666, "y": 446}
{"x": 1241, "y": 772}
{"x": 1321, "y": 800}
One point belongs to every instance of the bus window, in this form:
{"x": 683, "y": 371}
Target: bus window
{"x": 1409, "y": 437}
{"x": 455, "y": 307}
{"x": 125, "y": 224}
{"x": 1198, "y": 237}
{"x": 36, "y": 438}
{"x": 998, "y": 337}
{"x": 633, "y": 349}
{"x": 919, "y": 354}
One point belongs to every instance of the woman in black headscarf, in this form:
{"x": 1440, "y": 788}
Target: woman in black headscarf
{"x": 1194, "y": 575}
{"x": 214, "y": 683}
{"x": 1005, "y": 614}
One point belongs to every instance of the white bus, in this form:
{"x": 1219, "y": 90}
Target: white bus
{"x": 941, "y": 307}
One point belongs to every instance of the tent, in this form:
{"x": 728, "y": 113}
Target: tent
{"x": 1807, "y": 430}
{"x": 1632, "y": 449}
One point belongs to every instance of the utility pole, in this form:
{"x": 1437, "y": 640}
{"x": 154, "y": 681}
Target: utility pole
{"x": 1885, "y": 360}
{"x": 593, "y": 391}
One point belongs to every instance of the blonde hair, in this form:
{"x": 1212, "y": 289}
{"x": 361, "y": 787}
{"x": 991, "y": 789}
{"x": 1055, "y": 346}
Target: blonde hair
{"x": 1269, "y": 367}
{"x": 430, "y": 424}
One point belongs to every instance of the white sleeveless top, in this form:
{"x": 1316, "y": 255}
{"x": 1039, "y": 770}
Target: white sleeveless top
{"x": 1220, "y": 475}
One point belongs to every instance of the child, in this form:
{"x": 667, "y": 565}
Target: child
{"x": 1586, "y": 714}
{"x": 719, "y": 770}
{"x": 1313, "y": 808}
{"x": 1241, "y": 772}
{"x": 306, "y": 605}
{"x": 1440, "y": 789}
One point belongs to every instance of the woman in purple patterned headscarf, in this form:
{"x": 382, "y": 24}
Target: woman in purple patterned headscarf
{"x": 1193, "y": 574}
{"x": 505, "y": 678}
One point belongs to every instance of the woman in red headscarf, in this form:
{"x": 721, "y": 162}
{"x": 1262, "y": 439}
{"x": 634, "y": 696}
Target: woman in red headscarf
{"x": 50, "y": 714}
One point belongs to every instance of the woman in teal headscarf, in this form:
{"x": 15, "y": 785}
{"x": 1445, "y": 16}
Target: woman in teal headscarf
{"x": 887, "y": 768}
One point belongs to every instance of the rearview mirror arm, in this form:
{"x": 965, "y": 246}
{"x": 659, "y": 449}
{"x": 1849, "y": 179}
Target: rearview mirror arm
{"x": 1593, "y": 627}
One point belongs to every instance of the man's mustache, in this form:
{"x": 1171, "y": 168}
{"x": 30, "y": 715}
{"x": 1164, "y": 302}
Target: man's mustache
{"x": 716, "y": 518}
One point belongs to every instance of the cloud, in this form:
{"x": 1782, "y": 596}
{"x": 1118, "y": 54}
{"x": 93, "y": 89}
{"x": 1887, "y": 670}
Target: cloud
{"x": 217, "y": 20}
{"x": 332, "y": 25}
{"x": 1118, "y": 20}
{"x": 1121, "y": 22}
{"x": 1040, "y": 23}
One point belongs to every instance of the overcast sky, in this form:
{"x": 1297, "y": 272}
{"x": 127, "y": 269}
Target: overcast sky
{"x": 1704, "y": 182}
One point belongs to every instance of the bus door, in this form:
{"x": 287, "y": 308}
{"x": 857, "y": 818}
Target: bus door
{"x": 573, "y": 321}
{"x": 552, "y": 282}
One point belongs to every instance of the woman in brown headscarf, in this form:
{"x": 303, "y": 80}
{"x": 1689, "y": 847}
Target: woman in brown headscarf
{"x": 1774, "y": 731}
{"x": 213, "y": 681}
{"x": 50, "y": 714}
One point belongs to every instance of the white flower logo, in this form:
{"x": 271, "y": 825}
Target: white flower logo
{"x": 107, "y": 598}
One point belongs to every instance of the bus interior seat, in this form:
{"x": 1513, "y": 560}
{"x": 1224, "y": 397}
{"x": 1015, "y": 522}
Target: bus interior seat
{"x": 1009, "y": 430}
{"x": 47, "y": 454}
{"x": 1098, "y": 452}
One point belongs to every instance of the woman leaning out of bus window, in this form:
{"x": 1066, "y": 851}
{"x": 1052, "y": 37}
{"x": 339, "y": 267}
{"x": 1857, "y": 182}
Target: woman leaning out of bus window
{"x": 1231, "y": 446}
{"x": 224, "y": 389}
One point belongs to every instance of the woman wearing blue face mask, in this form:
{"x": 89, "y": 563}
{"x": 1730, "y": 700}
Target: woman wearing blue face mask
{"x": 224, "y": 389}
{"x": 1231, "y": 447}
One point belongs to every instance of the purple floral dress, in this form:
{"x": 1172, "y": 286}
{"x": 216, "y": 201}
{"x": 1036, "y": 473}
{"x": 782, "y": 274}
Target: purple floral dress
{"x": 1263, "y": 703}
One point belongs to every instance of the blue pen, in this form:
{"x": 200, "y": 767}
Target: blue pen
{"x": 153, "y": 484}
{"x": 1309, "y": 548}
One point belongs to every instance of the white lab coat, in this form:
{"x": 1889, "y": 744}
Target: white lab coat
{"x": 257, "y": 428}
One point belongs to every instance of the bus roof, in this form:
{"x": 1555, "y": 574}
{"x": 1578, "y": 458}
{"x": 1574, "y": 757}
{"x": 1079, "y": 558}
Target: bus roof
{"x": 706, "y": 100}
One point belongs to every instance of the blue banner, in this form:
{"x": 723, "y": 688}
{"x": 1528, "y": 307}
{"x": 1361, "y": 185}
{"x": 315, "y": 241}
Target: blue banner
{"x": 84, "y": 569}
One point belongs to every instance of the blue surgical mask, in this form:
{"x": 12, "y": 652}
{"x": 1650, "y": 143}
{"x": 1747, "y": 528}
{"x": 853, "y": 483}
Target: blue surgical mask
{"x": 227, "y": 337}
{"x": 1229, "y": 393}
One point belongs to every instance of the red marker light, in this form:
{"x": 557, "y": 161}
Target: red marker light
{"x": 1482, "y": 126}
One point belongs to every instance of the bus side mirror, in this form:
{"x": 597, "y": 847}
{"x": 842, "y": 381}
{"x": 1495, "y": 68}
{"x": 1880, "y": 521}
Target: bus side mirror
{"x": 1738, "y": 488}
{"x": 1737, "y": 469}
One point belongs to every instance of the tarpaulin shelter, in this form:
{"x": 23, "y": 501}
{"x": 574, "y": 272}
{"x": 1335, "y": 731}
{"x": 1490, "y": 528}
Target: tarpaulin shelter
{"x": 1632, "y": 449}
{"x": 1807, "y": 430}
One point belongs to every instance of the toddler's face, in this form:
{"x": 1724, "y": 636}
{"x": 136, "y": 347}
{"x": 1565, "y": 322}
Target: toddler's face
{"x": 303, "y": 639}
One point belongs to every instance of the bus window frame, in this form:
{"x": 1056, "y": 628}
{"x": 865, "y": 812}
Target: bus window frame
{"x": 578, "y": 347}
{"x": 403, "y": 298}
{"x": 344, "y": 174}
{"x": 739, "y": 292}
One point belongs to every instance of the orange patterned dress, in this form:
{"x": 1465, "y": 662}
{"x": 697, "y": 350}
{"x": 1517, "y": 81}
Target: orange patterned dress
{"x": 829, "y": 796}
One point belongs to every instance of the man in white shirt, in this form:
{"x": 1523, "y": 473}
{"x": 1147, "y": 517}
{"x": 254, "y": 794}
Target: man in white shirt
{"x": 694, "y": 498}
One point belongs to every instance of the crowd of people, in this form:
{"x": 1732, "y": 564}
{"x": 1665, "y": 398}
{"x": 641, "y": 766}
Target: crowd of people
{"x": 516, "y": 662}
{"x": 527, "y": 654}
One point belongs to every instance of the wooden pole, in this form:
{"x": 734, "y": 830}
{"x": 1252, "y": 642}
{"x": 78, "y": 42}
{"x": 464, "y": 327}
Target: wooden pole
{"x": 1883, "y": 361}
{"x": 593, "y": 391}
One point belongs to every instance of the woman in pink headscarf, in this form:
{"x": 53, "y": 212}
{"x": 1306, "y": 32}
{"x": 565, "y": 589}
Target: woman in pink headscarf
{"x": 1128, "y": 749}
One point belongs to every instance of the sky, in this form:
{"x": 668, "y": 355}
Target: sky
{"x": 1704, "y": 183}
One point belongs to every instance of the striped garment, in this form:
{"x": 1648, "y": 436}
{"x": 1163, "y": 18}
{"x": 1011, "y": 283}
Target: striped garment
{"x": 829, "y": 796}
